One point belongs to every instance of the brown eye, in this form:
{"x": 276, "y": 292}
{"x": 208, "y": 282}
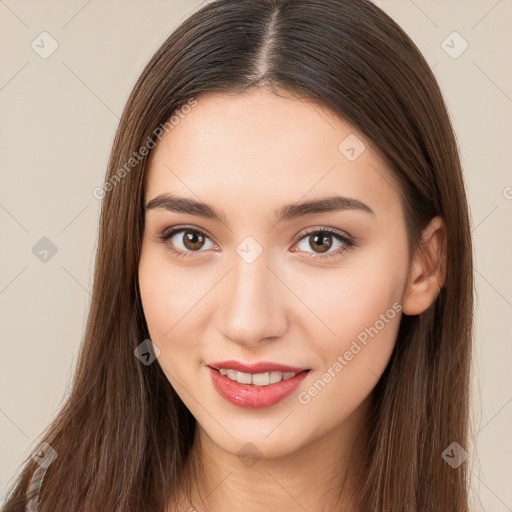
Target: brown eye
{"x": 193, "y": 240}
{"x": 321, "y": 242}
{"x": 185, "y": 241}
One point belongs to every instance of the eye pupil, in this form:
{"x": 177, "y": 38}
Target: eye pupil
{"x": 192, "y": 240}
{"x": 321, "y": 238}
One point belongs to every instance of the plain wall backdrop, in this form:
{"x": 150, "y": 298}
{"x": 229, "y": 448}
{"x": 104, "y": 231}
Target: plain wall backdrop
{"x": 66, "y": 71}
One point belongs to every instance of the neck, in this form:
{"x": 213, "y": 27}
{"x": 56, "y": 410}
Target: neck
{"x": 319, "y": 477}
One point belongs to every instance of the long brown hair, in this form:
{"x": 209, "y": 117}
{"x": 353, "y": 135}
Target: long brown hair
{"x": 123, "y": 436}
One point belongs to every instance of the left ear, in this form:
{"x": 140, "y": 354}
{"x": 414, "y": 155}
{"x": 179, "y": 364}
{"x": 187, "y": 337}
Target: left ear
{"x": 428, "y": 270}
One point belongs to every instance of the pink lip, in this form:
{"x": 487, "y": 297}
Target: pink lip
{"x": 258, "y": 367}
{"x": 251, "y": 396}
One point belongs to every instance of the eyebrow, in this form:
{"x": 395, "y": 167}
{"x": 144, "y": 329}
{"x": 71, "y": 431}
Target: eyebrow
{"x": 329, "y": 204}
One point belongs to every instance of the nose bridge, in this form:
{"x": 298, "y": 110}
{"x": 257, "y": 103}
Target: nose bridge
{"x": 251, "y": 302}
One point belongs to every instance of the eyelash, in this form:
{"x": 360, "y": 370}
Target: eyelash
{"x": 348, "y": 243}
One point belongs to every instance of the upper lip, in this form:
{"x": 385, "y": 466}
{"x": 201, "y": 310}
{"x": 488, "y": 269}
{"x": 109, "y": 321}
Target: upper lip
{"x": 257, "y": 367}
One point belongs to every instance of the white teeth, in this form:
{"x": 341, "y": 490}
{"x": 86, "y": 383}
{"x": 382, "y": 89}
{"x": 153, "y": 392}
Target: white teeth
{"x": 275, "y": 377}
{"x": 257, "y": 379}
{"x": 261, "y": 379}
{"x": 244, "y": 378}
{"x": 231, "y": 374}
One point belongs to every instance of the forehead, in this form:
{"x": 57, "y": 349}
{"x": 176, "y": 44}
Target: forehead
{"x": 232, "y": 150}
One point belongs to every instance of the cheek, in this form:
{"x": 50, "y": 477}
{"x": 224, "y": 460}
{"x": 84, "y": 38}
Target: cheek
{"x": 364, "y": 316}
{"x": 359, "y": 306}
{"x": 157, "y": 289}
{"x": 173, "y": 301}
{"x": 354, "y": 297}
{"x": 168, "y": 293}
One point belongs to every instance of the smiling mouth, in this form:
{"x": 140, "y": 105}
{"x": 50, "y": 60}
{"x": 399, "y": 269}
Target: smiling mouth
{"x": 256, "y": 390}
{"x": 257, "y": 379}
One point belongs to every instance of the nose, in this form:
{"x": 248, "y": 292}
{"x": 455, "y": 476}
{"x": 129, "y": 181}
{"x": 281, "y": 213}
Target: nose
{"x": 252, "y": 303}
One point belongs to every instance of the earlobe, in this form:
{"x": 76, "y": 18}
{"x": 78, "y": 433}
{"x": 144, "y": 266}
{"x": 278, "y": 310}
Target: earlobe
{"x": 428, "y": 270}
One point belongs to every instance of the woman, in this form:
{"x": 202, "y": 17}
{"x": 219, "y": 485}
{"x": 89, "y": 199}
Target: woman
{"x": 282, "y": 304}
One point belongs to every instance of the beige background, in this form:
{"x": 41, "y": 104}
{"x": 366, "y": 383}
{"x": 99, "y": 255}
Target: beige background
{"x": 58, "y": 118}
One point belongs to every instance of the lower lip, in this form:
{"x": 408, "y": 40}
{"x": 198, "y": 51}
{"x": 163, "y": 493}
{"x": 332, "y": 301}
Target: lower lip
{"x": 251, "y": 396}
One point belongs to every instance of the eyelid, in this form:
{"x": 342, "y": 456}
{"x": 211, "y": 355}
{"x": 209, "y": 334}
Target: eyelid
{"x": 348, "y": 242}
{"x": 172, "y": 230}
{"x": 168, "y": 233}
{"x": 324, "y": 229}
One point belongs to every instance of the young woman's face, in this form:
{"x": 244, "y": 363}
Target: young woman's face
{"x": 316, "y": 288}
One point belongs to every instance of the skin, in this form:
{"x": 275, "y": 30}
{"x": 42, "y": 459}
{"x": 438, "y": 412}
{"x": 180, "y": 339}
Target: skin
{"x": 248, "y": 155}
